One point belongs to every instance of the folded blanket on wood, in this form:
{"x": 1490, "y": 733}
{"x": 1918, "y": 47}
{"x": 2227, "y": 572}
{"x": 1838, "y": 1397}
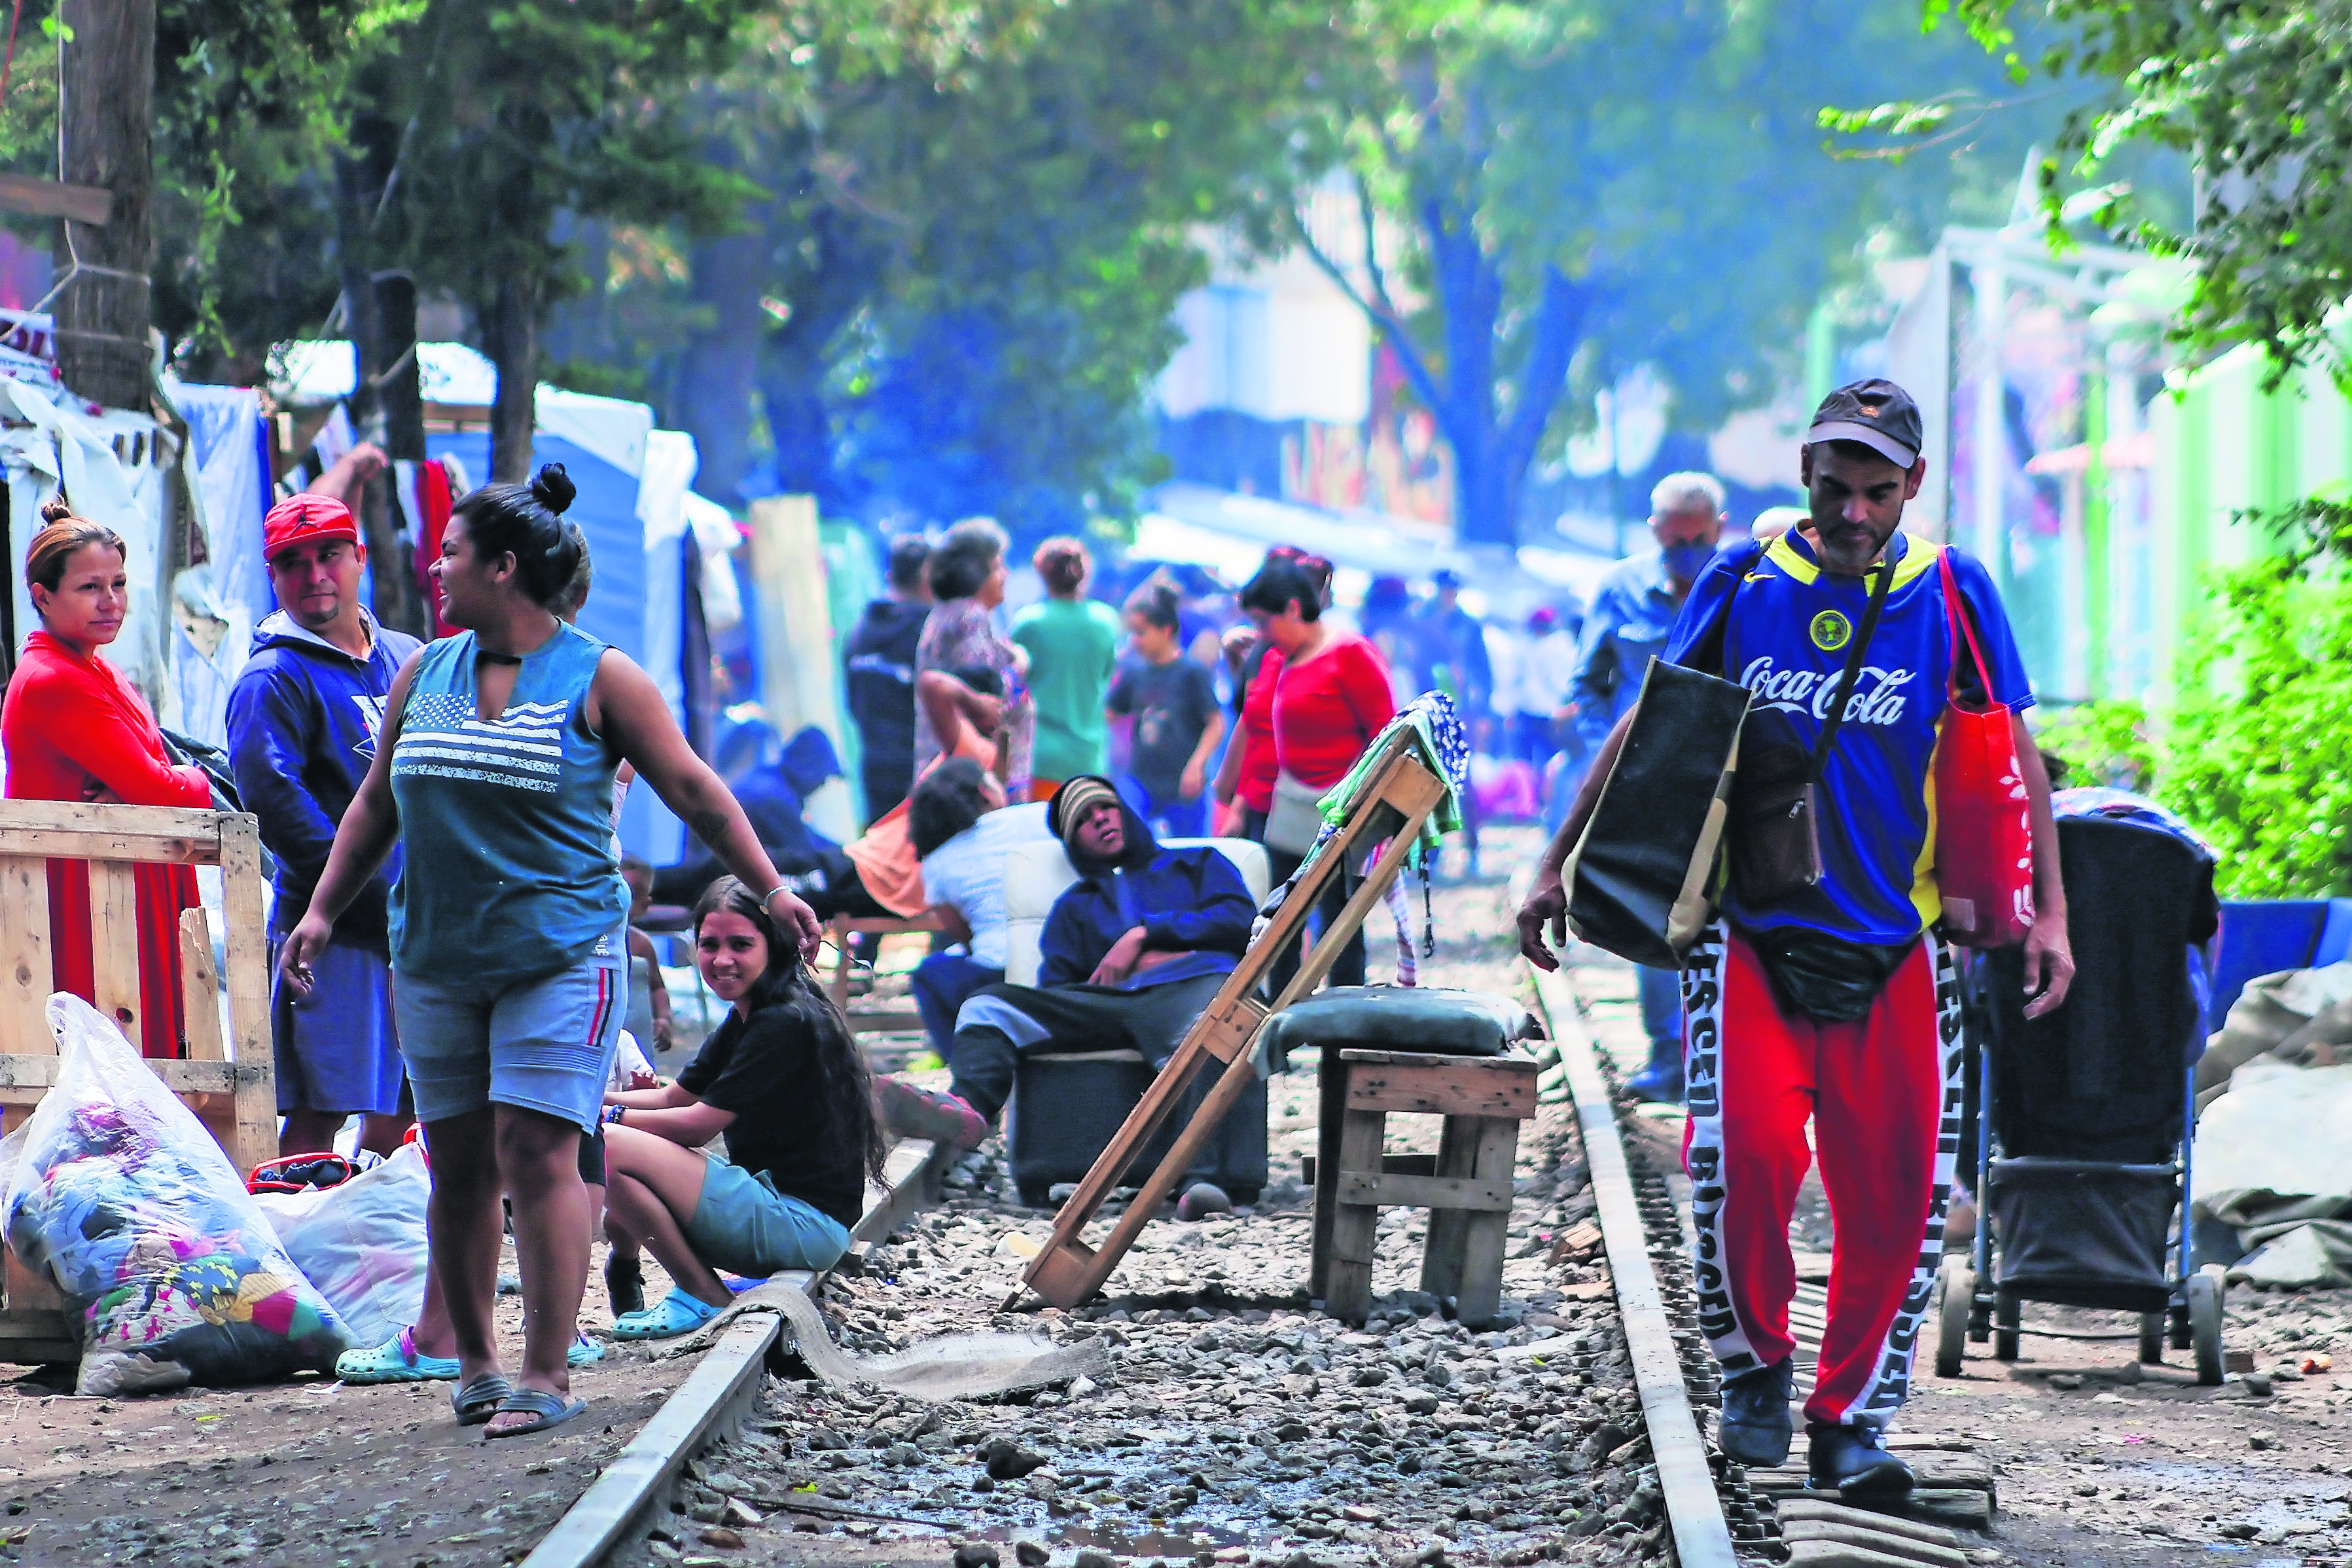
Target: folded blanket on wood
{"x": 952, "y": 1366}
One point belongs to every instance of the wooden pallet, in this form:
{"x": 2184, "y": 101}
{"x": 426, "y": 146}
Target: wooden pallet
{"x": 1397, "y": 800}
{"x": 233, "y": 1092}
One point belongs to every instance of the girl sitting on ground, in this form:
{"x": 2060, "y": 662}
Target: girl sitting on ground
{"x": 786, "y": 1085}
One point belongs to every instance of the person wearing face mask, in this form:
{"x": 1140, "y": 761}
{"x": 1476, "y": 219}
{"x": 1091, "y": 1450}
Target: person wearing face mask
{"x": 1835, "y": 1000}
{"x": 1632, "y": 611}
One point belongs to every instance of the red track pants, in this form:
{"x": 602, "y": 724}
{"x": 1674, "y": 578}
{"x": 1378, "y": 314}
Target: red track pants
{"x": 1883, "y": 1095}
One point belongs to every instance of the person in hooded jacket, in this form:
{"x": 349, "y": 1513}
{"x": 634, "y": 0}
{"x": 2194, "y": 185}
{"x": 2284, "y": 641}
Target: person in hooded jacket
{"x": 1130, "y": 955}
{"x": 878, "y": 661}
{"x": 302, "y": 724}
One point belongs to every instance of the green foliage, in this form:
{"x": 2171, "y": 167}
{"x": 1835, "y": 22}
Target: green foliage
{"x": 2259, "y": 93}
{"x": 2104, "y": 742}
{"x": 2259, "y": 758}
{"x": 1596, "y": 184}
{"x": 983, "y": 216}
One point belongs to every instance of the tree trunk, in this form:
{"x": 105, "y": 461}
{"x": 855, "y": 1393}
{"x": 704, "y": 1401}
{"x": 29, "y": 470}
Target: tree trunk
{"x": 104, "y": 138}
{"x": 717, "y": 381}
{"x": 400, "y": 406}
{"x": 511, "y": 337}
{"x": 402, "y": 396}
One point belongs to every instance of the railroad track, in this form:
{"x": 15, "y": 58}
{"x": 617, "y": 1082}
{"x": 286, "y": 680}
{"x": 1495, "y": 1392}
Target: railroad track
{"x": 623, "y": 1500}
{"x": 1717, "y": 1513}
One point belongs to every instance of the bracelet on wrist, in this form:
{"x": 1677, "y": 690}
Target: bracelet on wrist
{"x": 613, "y": 1114}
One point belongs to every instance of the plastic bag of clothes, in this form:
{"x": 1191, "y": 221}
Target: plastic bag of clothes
{"x": 362, "y": 1243}
{"x": 170, "y": 1272}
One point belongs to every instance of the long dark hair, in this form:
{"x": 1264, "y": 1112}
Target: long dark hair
{"x": 844, "y": 1086}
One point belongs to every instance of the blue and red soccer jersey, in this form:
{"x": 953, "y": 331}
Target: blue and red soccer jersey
{"x": 1786, "y": 627}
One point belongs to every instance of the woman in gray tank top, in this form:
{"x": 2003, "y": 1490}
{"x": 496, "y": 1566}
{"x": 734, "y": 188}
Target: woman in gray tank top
{"x": 494, "y": 772}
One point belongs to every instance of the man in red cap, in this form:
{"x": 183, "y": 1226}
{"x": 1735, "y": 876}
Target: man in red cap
{"x": 302, "y": 725}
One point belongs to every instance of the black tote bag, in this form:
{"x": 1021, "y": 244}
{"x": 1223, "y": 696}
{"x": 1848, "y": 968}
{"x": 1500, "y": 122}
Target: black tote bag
{"x": 1642, "y": 882}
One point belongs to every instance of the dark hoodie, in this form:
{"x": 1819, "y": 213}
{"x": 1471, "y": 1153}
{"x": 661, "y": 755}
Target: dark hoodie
{"x": 879, "y": 665}
{"x": 302, "y": 724}
{"x": 1187, "y": 900}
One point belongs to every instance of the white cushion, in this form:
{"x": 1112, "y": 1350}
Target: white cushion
{"x": 1036, "y": 874}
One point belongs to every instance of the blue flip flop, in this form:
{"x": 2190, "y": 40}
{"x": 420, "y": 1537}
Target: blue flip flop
{"x": 544, "y": 1408}
{"x": 675, "y": 1314}
{"x": 478, "y": 1400}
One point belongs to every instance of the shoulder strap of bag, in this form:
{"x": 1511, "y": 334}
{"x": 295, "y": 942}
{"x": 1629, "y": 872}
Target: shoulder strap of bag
{"x": 1959, "y": 625}
{"x": 1708, "y": 655}
{"x": 1852, "y": 672}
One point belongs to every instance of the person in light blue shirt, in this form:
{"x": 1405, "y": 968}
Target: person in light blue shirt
{"x": 1632, "y": 612}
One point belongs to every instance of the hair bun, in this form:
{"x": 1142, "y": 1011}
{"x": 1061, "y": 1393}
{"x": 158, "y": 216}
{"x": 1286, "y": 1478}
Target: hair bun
{"x": 553, "y": 487}
{"x": 57, "y": 509}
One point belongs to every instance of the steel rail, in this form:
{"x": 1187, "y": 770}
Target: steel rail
{"x": 1702, "y": 1537}
{"x": 711, "y": 1402}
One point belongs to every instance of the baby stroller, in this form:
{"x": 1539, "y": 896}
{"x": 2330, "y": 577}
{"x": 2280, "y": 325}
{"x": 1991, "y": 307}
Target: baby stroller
{"x": 2081, "y": 1161}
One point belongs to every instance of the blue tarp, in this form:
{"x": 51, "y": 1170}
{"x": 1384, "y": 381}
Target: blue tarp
{"x": 618, "y": 609}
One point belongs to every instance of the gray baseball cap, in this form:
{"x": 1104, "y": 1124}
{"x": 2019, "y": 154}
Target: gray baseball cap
{"x": 1878, "y": 413}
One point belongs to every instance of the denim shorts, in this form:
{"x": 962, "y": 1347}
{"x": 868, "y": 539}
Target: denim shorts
{"x": 336, "y": 1048}
{"x": 743, "y": 1224}
{"x": 544, "y": 1043}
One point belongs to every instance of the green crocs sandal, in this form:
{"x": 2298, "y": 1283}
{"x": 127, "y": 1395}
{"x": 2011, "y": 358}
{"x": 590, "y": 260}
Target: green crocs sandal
{"x": 675, "y": 1314}
{"x": 395, "y": 1361}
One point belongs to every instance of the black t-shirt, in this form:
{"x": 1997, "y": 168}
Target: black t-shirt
{"x": 765, "y": 1072}
{"x": 1172, "y": 703}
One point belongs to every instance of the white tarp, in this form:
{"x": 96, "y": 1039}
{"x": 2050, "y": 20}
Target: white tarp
{"x": 62, "y": 446}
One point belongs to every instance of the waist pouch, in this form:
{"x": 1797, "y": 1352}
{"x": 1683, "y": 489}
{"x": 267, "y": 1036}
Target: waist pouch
{"x": 1823, "y": 977}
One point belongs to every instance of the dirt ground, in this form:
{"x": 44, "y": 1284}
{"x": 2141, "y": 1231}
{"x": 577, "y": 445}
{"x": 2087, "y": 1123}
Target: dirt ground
{"x": 1235, "y": 1423}
{"x": 2103, "y": 1463}
{"x": 310, "y": 1474}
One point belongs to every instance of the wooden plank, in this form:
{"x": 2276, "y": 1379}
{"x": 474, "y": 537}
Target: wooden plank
{"x": 1441, "y": 1249}
{"x": 248, "y": 993}
{"x": 1526, "y": 1065}
{"x": 92, "y": 204}
{"x": 1348, "y": 1276}
{"x": 1445, "y": 1192}
{"x": 1058, "y": 1273}
{"x": 114, "y": 946}
{"x": 1485, "y": 1234}
{"x": 25, "y": 1077}
{"x": 70, "y": 830}
{"x": 1441, "y": 1092}
{"x": 26, "y": 976}
{"x": 200, "y": 988}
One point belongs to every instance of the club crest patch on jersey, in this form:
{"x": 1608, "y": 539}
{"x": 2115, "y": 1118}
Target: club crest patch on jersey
{"x": 1830, "y": 631}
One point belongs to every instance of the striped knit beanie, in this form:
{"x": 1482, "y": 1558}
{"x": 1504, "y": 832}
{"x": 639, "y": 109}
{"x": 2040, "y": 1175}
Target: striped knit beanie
{"x": 1073, "y": 802}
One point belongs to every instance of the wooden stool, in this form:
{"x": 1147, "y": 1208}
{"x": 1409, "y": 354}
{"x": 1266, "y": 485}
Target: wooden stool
{"x": 1483, "y": 1101}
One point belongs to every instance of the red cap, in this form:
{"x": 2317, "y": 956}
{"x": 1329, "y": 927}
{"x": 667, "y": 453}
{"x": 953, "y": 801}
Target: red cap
{"x": 306, "y": 519}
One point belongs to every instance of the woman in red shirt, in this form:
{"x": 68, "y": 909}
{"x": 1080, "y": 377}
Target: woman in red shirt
{"x": 1326, "y": 694}
{"x": 76, "y": 730}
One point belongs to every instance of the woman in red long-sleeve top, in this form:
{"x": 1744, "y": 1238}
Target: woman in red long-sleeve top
{"x": 1326, "y": 694}
{"x": 76, "y": 730}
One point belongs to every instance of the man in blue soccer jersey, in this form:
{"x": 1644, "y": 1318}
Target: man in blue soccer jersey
{"x": 1838, "y": 1003}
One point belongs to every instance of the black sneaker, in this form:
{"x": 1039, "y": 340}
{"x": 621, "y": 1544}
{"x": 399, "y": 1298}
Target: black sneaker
{"x": 1851, "y": 1459}
{"x": 1757, "y": 1429}
{"x": 625, "y": 1285}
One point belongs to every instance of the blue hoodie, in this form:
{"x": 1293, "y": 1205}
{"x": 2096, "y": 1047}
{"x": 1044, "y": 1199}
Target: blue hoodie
{"x": 1188, "y": 901}
{"x": 302, "y": 724}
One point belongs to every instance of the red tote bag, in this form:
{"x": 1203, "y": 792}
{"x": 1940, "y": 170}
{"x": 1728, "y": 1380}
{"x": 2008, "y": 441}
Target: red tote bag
{"x": 1984, "y": 825}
